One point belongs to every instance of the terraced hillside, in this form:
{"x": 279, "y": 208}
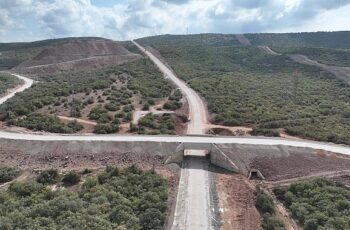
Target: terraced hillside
{"x": 245, "y": 86}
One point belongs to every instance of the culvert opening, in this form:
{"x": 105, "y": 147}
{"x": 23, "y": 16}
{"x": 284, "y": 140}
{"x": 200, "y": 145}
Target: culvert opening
{"x": 255, "y": 174}
{"x": 196, "y": 153}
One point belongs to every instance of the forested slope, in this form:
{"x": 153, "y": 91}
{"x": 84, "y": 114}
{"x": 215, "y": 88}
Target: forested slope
{"x": 245, "y": 86}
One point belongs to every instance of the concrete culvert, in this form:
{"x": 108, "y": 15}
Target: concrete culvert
{"x": 255, "y": 174}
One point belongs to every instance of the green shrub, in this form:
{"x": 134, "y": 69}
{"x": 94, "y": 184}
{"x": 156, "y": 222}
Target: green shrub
{"x": 23, "y": 189}
{"x": 264, "y": 203}
{"x": 318, "y": 203}
{"x": 8, "y": 173}
{"x": 71, "y": 178}
{"x": 272, "y": 223}
{"x": 49, "y": 176}
{"x": 106, "y": 128}
{"x": 128, "y": 199}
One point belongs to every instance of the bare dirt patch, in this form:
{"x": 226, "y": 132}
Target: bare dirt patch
{"x": 299, "y": 165}
{"x": 237, "y": 202}
{"x": 75, "y": 50}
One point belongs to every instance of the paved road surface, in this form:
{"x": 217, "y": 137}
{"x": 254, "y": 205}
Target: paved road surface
{"x": 269, "y": 141}
{"x": 192, "y": 210}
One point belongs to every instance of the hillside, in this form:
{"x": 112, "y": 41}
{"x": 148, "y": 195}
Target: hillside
{"x": 244, "y": 86}
{"x": 75, "y": 50}
{"x": 335, "y": 40}
{"x": 12, "y": 54}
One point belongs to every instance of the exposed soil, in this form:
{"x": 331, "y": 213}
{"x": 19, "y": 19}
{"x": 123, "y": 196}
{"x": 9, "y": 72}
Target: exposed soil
{"x": 77, "y": 54}
{"x": 75, "y": 50}
{"x": 243, "y": 39}
{"x": 300, "y": 165}
{"x": 237, "y": 202}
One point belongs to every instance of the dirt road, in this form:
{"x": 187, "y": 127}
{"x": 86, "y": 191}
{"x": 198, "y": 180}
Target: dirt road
{"x": 27, "y": 84}
{"x": 193, "y": 202}
{"x": 342, "y": 73}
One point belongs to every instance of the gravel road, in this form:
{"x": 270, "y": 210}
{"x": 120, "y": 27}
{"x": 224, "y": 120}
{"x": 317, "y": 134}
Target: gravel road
{"x": 192, "y": 210}
{"x": 27, "y": 84}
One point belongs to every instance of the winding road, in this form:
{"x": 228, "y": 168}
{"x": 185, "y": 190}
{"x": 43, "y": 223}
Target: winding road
{"x": 27, "y": 84}
{"x": 193, "y": 209}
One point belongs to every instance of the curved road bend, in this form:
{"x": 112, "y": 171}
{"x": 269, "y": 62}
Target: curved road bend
{"x": 192, "y": 210}
{"x": 27, "y": 84}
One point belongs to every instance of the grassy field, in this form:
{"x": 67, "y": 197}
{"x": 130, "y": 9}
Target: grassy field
{"x": 114, "y": 199}
{"x": 244, "y": 86}
{"x": 317, "y": 204}
{"x": 8, "y": 81}
{"x": 105, "y": 95}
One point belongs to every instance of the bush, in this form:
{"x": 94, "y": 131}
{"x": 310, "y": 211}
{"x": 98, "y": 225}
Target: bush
{"x": 74, "y": 125}
{"x": 106, "y": 128}
{"x": 318, "y": 203}
{"x": 145, "y": 107}
{"x": 264, "y": 203}
{"x": 50, "y": 176}
{"x": 231, "y": 122}
{"x": 265, "y": 132}
{"x": 71, "y": 178}
{"x": 8, "y": 173}
{"x": 131, "y": 199}
{"x": 112, "y": 107}
{"x": 172, "y": 105}
{"x": 23, "y": 189}
{"x": 272, "y": 223}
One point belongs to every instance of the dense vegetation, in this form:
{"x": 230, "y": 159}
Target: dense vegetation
{"x": 108, "y": 91}
{"x": 322, "y": 55}
{"x": 267, "y": 207}
{"x": 317, "y": 204}
{"x": 245, "y": 86}
{"x": 336, "y": 40}
{"x": 8, "y": 173}
{"x": 128, "y": 199}
{"x": 156, "y": 124}
{"x": 205, "y": 39}
{"x": 7, "y": 81}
